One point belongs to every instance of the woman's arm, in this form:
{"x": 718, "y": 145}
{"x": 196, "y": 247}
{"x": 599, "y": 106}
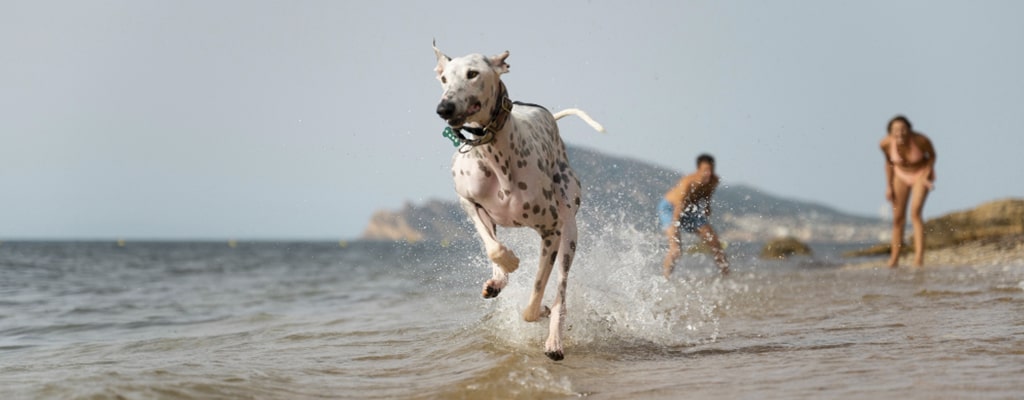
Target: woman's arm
{"x": 888, "y": 169}
{"x": 926, "y": 146}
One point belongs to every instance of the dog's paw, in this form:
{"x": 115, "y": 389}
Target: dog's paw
{"x": 494, "y": 285}
{"x": 556, "y": 355}
{"x": 529, "y": 315}
{"x": 491, "y": 292}
{"x": 553, "y": 348}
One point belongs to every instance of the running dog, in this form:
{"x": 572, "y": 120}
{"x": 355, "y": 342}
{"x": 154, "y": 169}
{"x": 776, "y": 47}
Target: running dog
{"x": 511, "y": 171}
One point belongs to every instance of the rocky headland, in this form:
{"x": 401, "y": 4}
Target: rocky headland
{"x": 622, "y": 192}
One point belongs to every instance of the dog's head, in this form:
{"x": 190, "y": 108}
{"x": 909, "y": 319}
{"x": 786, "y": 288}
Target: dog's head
{"x": 471, "y": 87}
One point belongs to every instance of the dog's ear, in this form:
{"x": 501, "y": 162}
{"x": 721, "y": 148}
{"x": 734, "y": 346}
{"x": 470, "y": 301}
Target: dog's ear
{"x": 498, "y": 62}
{"x": 442, "y": 60}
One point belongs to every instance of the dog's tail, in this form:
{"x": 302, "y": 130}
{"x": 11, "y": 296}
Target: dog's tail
{"x": 579, "y": 113}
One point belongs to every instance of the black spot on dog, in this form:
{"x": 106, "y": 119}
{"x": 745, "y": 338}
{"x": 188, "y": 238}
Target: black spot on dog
{"x": 522, "y": 185}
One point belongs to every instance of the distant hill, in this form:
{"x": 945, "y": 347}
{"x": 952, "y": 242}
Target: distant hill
{"x": 619, "y": 190}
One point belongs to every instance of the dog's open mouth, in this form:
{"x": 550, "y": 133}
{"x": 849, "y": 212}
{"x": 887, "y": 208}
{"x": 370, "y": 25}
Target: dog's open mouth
{"x": 458, "y": 120}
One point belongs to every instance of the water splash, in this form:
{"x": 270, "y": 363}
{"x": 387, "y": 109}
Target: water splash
{"x": 616, "y": 295}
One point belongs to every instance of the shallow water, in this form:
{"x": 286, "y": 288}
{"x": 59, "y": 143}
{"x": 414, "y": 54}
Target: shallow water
{"x": 372, "y": 320}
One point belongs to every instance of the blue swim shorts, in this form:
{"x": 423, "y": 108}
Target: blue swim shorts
{"x": 691, "y": 219}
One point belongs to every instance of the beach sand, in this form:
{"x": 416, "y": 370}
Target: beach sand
{"x": 1006, "y": 251}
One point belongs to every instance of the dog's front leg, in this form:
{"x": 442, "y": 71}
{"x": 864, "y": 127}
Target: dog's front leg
{"x": 503, "y": 260}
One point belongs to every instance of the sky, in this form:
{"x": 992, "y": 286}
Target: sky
{"x": 252, "y": 119}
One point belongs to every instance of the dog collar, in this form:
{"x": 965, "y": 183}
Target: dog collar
{"x": 485, "y": 135}
{"x": 502, "y": 109}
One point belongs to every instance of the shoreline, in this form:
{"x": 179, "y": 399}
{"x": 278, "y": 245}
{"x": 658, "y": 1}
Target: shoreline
{"x": 993, "y": 252}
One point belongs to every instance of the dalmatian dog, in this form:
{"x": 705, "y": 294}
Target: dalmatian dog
{"x": 512, "y": 171}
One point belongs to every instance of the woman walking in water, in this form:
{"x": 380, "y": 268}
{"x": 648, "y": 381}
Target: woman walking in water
{"x": 909, "y": 175}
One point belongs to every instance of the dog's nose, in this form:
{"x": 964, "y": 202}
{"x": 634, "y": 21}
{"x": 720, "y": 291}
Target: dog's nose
{"x": 446, "y": 109}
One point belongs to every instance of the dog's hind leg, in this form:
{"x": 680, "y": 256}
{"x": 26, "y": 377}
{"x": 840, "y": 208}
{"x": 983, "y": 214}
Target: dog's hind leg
{"x": 503, "y": 260}
{"x": 567, "y": 252}
{"x": 548, "y": 254}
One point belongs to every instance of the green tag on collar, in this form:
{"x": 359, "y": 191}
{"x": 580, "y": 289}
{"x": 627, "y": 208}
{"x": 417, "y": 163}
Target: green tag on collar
{"x": 450, "y": 134}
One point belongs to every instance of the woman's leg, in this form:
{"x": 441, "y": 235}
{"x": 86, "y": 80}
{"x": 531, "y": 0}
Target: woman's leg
{"x": 920, "y": 193}
{"x": 900, "y": 195}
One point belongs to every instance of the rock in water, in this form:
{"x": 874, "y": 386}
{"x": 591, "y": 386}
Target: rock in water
{"x": 784, "y": 247}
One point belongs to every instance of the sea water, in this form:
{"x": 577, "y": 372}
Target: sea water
{"x": 366, "y": 320}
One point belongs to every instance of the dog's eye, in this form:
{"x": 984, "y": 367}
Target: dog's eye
{"x": 444, "y": 80}
{"x": 471, "y": 74}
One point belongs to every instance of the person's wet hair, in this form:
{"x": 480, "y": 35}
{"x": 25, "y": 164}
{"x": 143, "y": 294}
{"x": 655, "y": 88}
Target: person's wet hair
{"x": 706, "y": 158}
{"x": 901, "y": 118}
